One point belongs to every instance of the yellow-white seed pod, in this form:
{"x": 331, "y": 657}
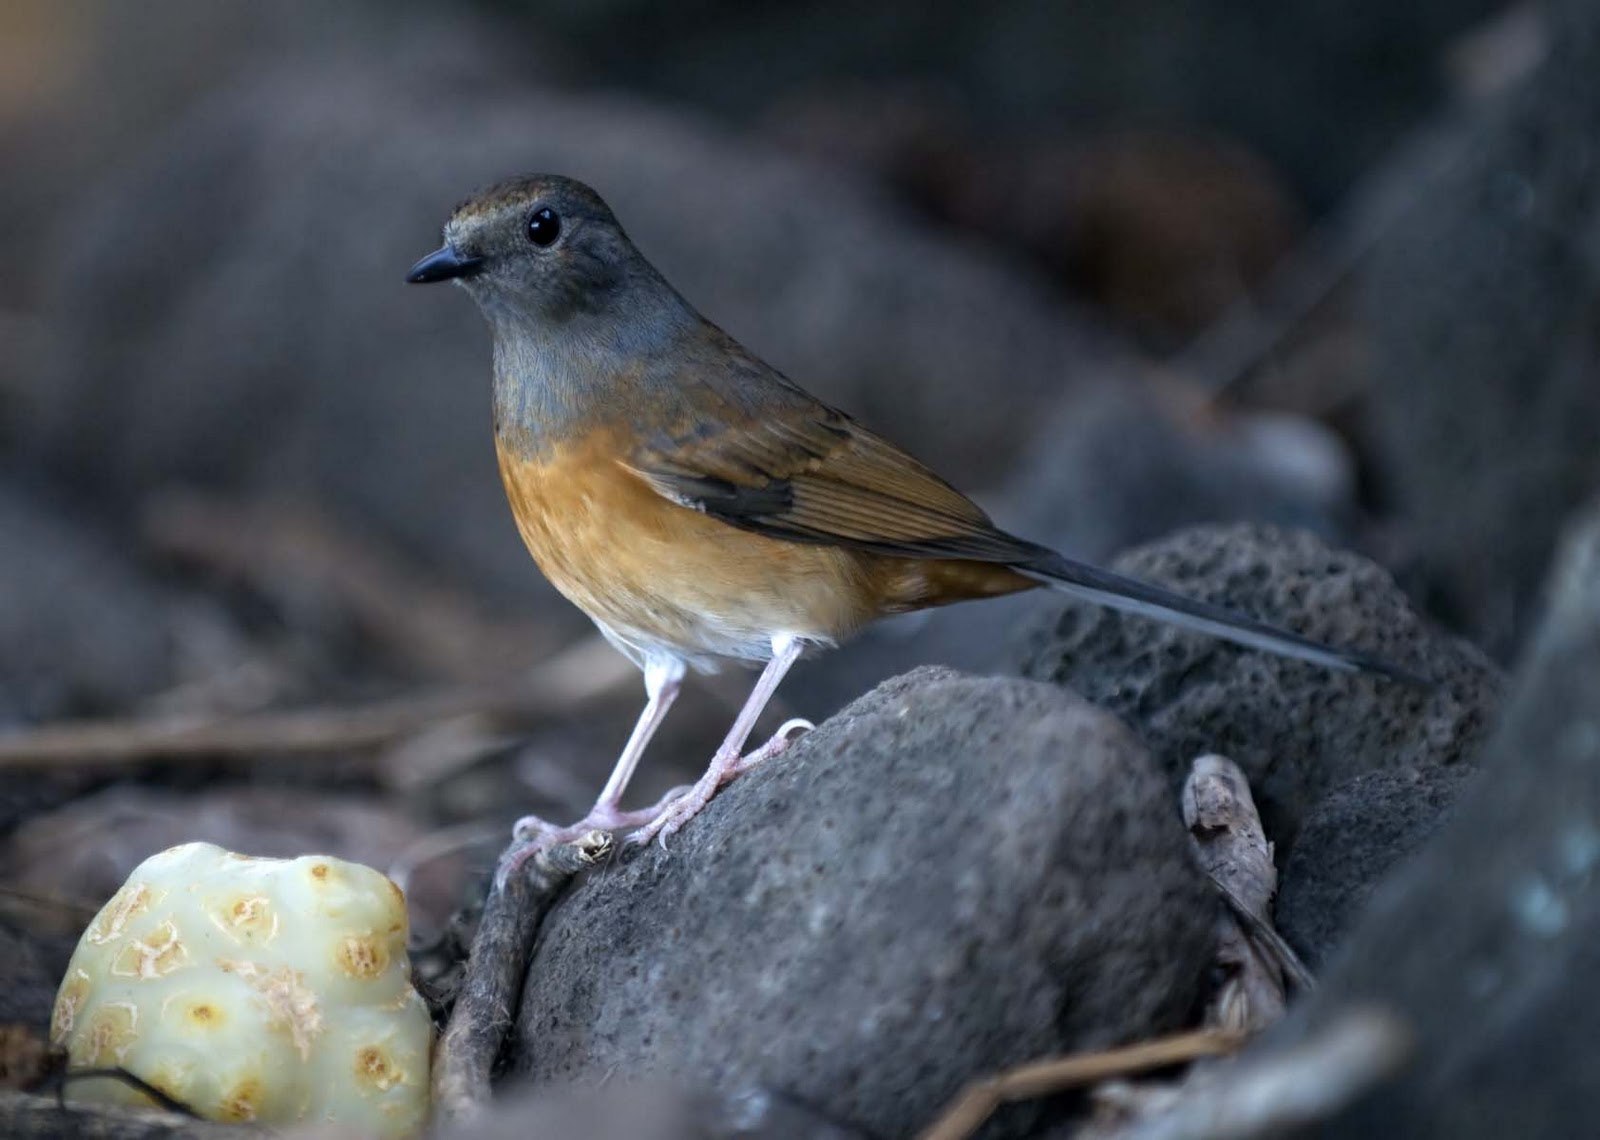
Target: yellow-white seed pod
{"x": 267, "y": 990}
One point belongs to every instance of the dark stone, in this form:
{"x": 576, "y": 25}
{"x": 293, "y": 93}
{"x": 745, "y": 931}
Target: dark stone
{"x": 1295, "y": 729}
{"x": 651, "y": 1111}
{"x": 1351, "y": 839}
{"x": 1487, "y": 944}
{"x": 952, "y": 875}
{"x": 1484, "y": 306}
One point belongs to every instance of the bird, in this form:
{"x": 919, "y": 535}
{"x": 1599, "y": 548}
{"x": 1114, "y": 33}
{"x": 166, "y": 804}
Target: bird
{"x": 701, "y": 507}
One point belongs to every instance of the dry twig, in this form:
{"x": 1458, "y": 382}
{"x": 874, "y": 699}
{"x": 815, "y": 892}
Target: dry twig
{"x": 491, "y": 988}
{"x": 1276, "y": 1093}
{"x": 977, "y": 1101}
{"x": 585, "y": 672}
{"x": 23, "y": 1116}
{"x": 271, "y": 545}
{"x": 1226, "y": 836}
{"x": 46, "y": 913}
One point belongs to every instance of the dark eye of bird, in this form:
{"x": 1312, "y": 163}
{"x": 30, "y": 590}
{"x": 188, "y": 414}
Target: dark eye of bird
{"x": 543, "y": 226}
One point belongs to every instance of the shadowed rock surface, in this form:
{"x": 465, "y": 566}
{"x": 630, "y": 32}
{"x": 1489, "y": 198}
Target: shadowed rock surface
{"x": 1486, "y": 943}
{"x": 952, "y": 875}
{"x": 1351, "y": 839}
{"x": 1485, "y": 309}
{"x": 651, "y": 1111}
{"x": 1295, "y": 729}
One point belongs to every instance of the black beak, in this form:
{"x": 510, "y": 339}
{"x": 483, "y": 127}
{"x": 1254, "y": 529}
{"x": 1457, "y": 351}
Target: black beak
{"x": 443, "y": 264}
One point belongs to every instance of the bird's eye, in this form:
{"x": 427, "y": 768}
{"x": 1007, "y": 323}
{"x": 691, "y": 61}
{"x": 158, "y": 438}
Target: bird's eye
{"x": 543, "y": 226}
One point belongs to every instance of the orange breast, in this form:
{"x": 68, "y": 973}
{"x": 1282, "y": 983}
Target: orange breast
{"x": 654, "y": 573}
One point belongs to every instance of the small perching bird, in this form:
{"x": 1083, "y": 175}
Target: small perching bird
{"x": 701, "y": 507}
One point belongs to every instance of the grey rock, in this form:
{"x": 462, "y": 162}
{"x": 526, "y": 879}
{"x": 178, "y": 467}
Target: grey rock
{"x": 82, "y": 630}
{"x": 1484, "y": 306}
{"x": 1295, "y": 729}
{"x": 1485, "y": 944}
{"x": 650, "y": 1111}
{"x": 1351, "y": 840}
{"x": 231, "y": 309}
{"x": 952, "y": 875}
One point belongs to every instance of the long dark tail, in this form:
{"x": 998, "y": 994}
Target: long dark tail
{"x": 1135, "y": 597}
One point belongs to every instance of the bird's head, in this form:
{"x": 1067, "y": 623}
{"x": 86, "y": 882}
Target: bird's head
{"x": 539, "y": 246}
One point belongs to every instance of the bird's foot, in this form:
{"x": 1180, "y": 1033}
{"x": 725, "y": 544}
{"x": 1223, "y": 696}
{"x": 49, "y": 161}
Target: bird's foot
{"x": 788, "y": 732}
{"x": 531, "y": 834}
{"x": 540, "y": 834}
{"x": 679, "y": 808}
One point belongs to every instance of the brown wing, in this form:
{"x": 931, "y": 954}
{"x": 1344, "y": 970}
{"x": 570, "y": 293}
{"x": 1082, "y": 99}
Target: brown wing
{"x": 811, "y": 474}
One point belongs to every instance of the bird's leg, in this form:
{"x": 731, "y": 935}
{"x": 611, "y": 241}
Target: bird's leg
{"x": 728, "y": 762}
{"x": 663, "y": 677}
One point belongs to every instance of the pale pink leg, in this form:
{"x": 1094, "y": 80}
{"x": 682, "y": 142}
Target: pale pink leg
{"x": 728, "y": 761}
{"x": 663, "y": 677}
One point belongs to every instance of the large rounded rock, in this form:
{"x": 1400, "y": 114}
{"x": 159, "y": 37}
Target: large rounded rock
{"x": 1484, "y": 304}
{"x": 1484, "y": 945}
{"x": 1296, "y": 729}
{"x": 952, "y": 875}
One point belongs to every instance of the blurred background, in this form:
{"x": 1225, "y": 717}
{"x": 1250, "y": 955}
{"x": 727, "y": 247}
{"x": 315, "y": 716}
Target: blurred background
{"x": 1115, "y": 267}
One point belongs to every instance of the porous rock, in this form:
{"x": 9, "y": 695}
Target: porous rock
{"x": 952, "y": 875}
{"x": 1295, "y": 729}
{"x": 1484, "y": 945}
{"x": 1350, "y": 841}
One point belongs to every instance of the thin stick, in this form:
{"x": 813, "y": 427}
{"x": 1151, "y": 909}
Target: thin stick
{"x": 966, "y": 1114}
{"x": 573, "y": 677}
{"x": 1286, "y": 1091}
{"x": 24, "y": 1116}
{"x": 1230, "y": 846}
{"x": 58, "y": 912}
{"x": 1271, "y": 941}
{"x": 268, "y": 544}
{"x": 164, "y": 1100}
{"x": 492, "y": 986}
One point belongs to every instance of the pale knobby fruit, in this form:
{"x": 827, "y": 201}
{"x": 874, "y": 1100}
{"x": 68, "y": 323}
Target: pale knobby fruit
{"x": 264, "y": 990}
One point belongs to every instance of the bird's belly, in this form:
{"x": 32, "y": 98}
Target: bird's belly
{"x": 657, "y": 576}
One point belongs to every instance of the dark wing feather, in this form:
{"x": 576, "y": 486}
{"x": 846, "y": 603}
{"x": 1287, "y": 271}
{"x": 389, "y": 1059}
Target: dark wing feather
{"x": 809, "y": 473}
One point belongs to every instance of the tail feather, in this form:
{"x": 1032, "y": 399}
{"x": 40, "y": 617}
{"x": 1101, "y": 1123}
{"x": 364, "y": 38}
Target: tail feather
{"x": 1130, "y": 595}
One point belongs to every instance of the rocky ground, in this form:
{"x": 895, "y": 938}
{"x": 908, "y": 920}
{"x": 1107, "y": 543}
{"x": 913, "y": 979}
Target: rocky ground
{"x": 259, "y": 586}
